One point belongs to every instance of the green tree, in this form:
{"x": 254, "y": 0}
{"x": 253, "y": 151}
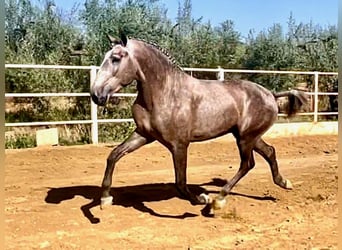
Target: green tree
{"x": 47, "y": 35}
{"x": 142, "y": 19}
{"x": 40, "y": 35}
{"x": 230, "y": 47}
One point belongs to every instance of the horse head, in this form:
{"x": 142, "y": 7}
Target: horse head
{"x": 118, "y": 69}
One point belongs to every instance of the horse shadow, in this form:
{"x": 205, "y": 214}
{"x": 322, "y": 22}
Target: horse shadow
{"x": 135, "y": 196}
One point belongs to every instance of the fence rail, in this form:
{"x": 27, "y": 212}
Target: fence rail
{"x": 94, "y": 121}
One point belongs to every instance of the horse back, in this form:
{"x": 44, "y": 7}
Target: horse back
{"x": 232, "y": 106}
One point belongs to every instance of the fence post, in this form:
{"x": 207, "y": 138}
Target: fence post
{"x": 220, "y": 74}
{"x": 93, "y": 111}
{"x": 316, "y": 97}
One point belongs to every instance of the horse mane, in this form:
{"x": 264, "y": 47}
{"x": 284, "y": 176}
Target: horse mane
{"x": 165, "y": 52}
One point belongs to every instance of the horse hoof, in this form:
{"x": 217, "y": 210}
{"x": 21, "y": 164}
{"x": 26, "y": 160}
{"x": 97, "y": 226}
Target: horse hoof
{"x": 211, "y": 212}
{"x": 106, "y": 201}
{"x": 219, "y": 203}
{"x": 204, "y": 198}
{"x": 288, "y": 184}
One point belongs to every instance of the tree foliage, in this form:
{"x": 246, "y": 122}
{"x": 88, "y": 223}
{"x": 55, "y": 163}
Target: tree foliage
{"x": 46, "y": 34}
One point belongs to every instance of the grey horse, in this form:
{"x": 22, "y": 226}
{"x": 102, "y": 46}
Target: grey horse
{"x": 176, "y": 109}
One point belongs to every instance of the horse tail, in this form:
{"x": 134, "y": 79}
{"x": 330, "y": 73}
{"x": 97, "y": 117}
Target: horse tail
{"x": 296, "y": 99}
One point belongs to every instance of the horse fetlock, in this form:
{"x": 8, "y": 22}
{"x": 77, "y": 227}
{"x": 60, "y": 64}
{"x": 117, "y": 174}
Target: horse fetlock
{"x": 106, "y": 201}
{"x": 284, "y": 183}
{"x": 205, "y": 199}
{"x": 218, "y": 203}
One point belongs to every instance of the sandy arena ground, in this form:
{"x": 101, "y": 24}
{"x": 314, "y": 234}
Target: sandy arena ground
{"x": 49, "y": 195}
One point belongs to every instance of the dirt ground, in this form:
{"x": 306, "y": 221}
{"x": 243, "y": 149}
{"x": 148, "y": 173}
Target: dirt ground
{"x": 51, "y": 193}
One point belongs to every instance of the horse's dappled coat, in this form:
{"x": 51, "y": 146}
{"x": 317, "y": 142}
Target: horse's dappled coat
{"x": 175, "y": 109}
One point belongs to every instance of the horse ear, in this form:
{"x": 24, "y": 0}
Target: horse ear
{"x": 113, "y": 41}
{"x": 123, "y": 38}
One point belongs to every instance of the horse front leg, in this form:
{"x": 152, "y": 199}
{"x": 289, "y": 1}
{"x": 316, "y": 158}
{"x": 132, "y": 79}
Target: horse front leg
{"x": 132, "y": 143}
{"x": 179, "y": 156}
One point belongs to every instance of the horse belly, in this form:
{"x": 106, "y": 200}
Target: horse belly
{"x": 213, "y": 123}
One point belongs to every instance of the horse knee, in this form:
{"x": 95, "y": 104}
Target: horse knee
{"x": 271, "y": 150}
{"x": 251, "y": 163}
{"x": 116, "y": 154}
{"x": 271, "y": 153}
{"x": 267, "y": 151}
{"x": 111, "y": 159}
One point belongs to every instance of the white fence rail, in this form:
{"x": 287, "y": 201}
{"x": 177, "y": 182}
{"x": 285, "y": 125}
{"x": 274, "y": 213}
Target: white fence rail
{"x": 94, "y": 121}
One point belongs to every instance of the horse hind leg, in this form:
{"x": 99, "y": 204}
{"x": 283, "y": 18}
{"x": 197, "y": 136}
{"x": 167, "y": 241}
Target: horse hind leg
{"x": 246, "y": 164}
{"x": 269, "y": 154}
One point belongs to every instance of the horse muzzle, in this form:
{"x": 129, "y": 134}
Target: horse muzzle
{"x": 99, "y": 100}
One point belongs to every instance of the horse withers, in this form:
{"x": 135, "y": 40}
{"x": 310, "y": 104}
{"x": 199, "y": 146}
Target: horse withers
{"x": 176, "y": 109}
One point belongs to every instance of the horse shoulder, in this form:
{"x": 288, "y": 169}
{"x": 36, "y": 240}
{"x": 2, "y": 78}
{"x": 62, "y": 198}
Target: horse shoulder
{"x": 141, "y": 117}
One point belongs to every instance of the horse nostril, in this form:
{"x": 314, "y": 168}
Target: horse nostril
{"x": 102, "y": 100}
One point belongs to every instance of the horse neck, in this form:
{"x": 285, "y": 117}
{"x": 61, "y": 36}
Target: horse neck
{"x": 157, "y": 89}
{"x": 161, "y": 77}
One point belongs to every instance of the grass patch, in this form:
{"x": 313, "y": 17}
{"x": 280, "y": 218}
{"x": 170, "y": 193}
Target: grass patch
{"x": 20, "y": 141}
